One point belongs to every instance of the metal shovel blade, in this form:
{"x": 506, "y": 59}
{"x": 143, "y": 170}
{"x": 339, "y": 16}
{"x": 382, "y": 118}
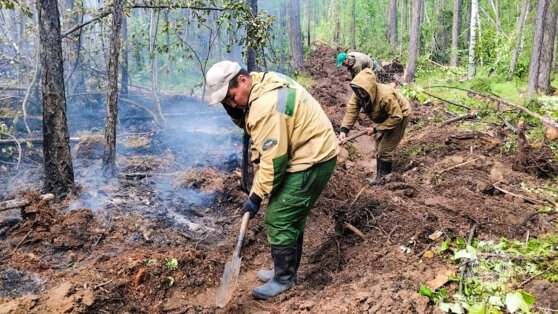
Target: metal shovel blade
{"x": 228, "y": 282}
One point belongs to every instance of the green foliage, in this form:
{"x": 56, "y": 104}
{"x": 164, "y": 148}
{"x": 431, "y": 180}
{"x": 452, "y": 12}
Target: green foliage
{"x": 11, "y": 5}
{"x": 496, "y": 268}
{"x": 171, "y": 264}
{"x": 508, "y": 147}
{"x": 170, "y": 281}
{"x": 150, "y": 262}
{"x": 482, "y": 85}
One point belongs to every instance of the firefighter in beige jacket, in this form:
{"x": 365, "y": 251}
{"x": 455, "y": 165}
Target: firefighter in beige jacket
{"x": 295, "y": 146}
{"x": 385, "y": 106}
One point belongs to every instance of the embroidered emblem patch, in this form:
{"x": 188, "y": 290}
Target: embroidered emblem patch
{"x": 269, "y": 144}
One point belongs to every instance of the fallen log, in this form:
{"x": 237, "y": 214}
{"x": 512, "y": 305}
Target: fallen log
{"x": 17, "y": 203}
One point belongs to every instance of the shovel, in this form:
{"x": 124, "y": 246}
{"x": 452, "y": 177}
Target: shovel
{"x": 232, "y": 268}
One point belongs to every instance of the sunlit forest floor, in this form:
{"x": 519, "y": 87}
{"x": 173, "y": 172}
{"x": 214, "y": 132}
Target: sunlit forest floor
{"x": 157, "y": 237}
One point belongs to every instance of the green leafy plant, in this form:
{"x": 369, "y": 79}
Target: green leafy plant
{"x": 171, "y": 264}
{"x": 170, "y": 281}
{"x": 150, "y": 262}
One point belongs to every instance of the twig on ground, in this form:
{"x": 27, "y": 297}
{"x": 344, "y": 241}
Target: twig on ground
{"x": 470, "y": 115}
{"x": 103, "y": 284}
{"x": 357, "y": 196}
{"x": 535, "y": 275}
{"x": 23, "y": 239}
{"x": 447, "y": 101}
{"x": 356, "y": 231}
{"x": 527, "y": 199}
{"x": 457, "y": 166}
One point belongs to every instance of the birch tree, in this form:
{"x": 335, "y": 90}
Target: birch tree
{"x": 472, "y": 38}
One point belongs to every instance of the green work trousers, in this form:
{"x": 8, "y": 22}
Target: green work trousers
{"x": 388, "y": 140}
{"x": 288, "y": 208}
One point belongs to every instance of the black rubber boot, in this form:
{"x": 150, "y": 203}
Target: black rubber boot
{"x": 265, "y": 275}
{"x": 285, "y": 261}
{"x": 299, "y": 242}
{"x": 383, "y": 168}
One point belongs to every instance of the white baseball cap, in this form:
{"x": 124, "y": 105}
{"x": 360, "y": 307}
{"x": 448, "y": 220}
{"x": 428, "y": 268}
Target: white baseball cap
{"x": 218, "y": 78}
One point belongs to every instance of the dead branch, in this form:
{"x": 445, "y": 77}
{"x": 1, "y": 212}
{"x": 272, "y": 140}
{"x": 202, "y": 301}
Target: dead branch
{"x": 357, "y": 196}
{"x": 525, "y": 198}
{"x": 545, "y": 120}
{"x": 28, "y": 93}
{"x": 355, "y": 230}
{"x": 508, "y": 124}
{"x": 17, "y": 203}
{"x": 38, "y": 141}
{"x": 447, "y": 101}
{"x": 18, "y": 148}
{"x": 458, "y": 165}
{"x": 471, "y": 115}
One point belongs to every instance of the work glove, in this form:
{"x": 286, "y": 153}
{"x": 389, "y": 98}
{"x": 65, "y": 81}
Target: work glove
{"x": 370, "y": 131}
{"x": 342, "y": 136}
{"x": 252, "y": 205}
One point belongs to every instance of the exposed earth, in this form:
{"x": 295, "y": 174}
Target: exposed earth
{"x": 138, "y": 251}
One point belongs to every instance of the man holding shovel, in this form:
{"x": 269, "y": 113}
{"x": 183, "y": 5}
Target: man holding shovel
{"x": 296, "y": 148}
{"x": 385, "y": 106}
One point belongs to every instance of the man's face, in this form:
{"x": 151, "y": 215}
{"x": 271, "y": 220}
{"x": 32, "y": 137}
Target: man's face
{"x": 237, "y": 97}
{"x": 360, "y": 92}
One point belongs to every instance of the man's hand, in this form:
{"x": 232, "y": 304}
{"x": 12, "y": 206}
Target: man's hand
{"x": 342, "y": 138}
{"x": 370, "y": 131}
{"x": 252, "y": 205}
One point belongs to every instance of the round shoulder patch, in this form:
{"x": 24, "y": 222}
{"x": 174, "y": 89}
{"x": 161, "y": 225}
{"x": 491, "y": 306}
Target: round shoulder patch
{"x": 269, "y": 144}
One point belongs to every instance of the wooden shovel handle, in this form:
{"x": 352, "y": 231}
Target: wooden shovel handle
{"x": 358, "y": 134}
{"x": 243, "y": 227}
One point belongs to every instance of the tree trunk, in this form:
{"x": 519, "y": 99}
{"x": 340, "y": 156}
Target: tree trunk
{"x": 519, "y": 39}
{"x": 353, "y": 25}
{"x": 153, "y": 29}
{"x": 473, "y": 38}
{"x": 455, "y": 31}
{"x": 252, "y": 54}
{"x": 310, "y": 9}
{"x": 337, "y": 17}
{"x": 414, "y": 41}
{"x": 547, "y": 51}
{"x": 295, "y": 33}
{"x": 124, "y": 68}
{"x": 532, "y": 81}
{"x": 109, "y": 156}
{"x": 392, "y": 24}
{"x": 59, "y": 173}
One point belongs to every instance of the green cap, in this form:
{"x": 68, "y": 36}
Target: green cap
{"x": 340, "y": 58}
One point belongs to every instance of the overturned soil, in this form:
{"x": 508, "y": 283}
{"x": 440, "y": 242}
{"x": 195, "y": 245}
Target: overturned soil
{"x": 125, "y": 257}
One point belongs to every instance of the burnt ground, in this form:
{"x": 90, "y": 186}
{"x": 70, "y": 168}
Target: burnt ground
{"x": 116, "y": 256}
